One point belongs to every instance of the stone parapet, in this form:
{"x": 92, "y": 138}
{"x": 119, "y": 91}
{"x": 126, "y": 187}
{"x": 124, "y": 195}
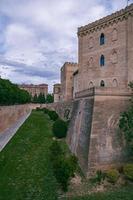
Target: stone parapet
{"x": 106, "y": 21}
{"x": 110, "y": 91}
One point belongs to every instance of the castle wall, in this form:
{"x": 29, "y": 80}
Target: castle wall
{"x": 130, "y": 48}
{"x": 57, "y": 92}
{"x": 9, "y": 115}
{"x": 106, "y": 142}
{"x": 67, "y": 80}
{"x": 64, "y": 109}
{"x": 117, "y": 51}
{"x": 78, "y": 136}
{"x": 114, "y": 52}
{"x": 93, "y": 132}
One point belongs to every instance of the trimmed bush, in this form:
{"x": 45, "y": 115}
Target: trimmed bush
{"x": 128, "y": 171}
{"x": 60, "y": 128}
{"x": 53, "y": 115}
{"x": 73, "y": 164}
{"x": 64, "y": 167}
{"x": 55, "y": 151}
{"x": 112, "y": 175}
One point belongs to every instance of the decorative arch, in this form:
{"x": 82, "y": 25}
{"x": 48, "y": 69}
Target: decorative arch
{"x": 90, "y": 62}
{"x": 114, "y": 35}
{"x": 102, "y": 83}
{"x": 91, "y": 42}
{"x": 102, "y": 39}
{"x": 114, "y": 56}
{"x": 102, "y": 60}
{"x": 115, "y": 83}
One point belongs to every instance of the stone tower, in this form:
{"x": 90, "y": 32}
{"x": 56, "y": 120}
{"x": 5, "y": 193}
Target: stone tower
{"x": 106, "y": 51}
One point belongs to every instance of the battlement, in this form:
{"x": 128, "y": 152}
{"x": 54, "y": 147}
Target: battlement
{"x": 70, "y": 63}
{"x": 121, "y": 15}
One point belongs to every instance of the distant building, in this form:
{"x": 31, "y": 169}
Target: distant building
{"x": 35, "y": 89}
{"x": 67, "y": 80}
{"x": 57, "y": 92}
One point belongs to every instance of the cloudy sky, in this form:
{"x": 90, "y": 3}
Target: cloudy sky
{"x": 38, "y": 36}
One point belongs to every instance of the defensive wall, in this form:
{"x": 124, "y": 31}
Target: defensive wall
{"x": 64, "y": 109}
{"x": 93, "y": 134}
{"x": 9, "y": 115}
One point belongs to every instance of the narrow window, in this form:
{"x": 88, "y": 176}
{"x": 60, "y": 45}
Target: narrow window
{"x": 102, "y": 39}
{"x": 102, "y": 84}
{"x": 102, "y": 60}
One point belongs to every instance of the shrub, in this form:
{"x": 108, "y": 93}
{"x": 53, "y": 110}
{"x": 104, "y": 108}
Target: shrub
{"x": 56, "y": 151}
{"x": 45, "y": 110}
{"x": 38, "y": 109}
{"x": 60, "y": 128}
{"x": 98, "y": 177}
{"x": 112, "y": 175}
{"x": 64, "y": 171}
{"x": 73, "y": 163}
{"x": 64, "y": 167}
{"x": 53, "y": 115}
{"x": 128, "y": 171}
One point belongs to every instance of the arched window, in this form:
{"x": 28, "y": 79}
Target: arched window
{"x": 102, "y": 84}
{"x": 102, "y": 60}
{"x": 102, "y": 39}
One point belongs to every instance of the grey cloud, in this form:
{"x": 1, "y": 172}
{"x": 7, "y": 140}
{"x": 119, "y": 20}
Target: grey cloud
{"x": 29, "y": 70}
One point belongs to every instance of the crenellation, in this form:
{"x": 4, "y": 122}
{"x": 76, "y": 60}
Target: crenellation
{"x": 114, "y": 18}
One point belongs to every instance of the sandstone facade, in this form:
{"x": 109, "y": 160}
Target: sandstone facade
{"x": 100, "y": 90}
{"x": 106, "y": 51}
{"x": 57, "y": 92}
{"x": 67, "y": 80}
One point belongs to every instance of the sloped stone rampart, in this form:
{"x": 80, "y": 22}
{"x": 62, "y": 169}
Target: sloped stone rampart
{"x": 10, "y": 114}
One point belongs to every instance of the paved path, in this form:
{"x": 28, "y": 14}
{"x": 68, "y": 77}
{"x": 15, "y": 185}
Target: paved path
{"x": 10, "y": 132}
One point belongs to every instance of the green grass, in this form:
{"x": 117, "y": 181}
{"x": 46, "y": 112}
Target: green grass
{"x": 124, "y": 193}
{"x": 25, "y": 169}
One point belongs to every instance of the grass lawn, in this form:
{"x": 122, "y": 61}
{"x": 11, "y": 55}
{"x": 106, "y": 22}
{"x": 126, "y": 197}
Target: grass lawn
{"x": 25, "y": 168}
{"x": 26, "y": 171}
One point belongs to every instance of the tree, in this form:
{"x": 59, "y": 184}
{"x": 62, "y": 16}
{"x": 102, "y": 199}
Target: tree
{"x": 11, "y": 94}
{"x": 49, "y": 98}
{"x": 126, "y": 124}
{"x": 35, "y": 99}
